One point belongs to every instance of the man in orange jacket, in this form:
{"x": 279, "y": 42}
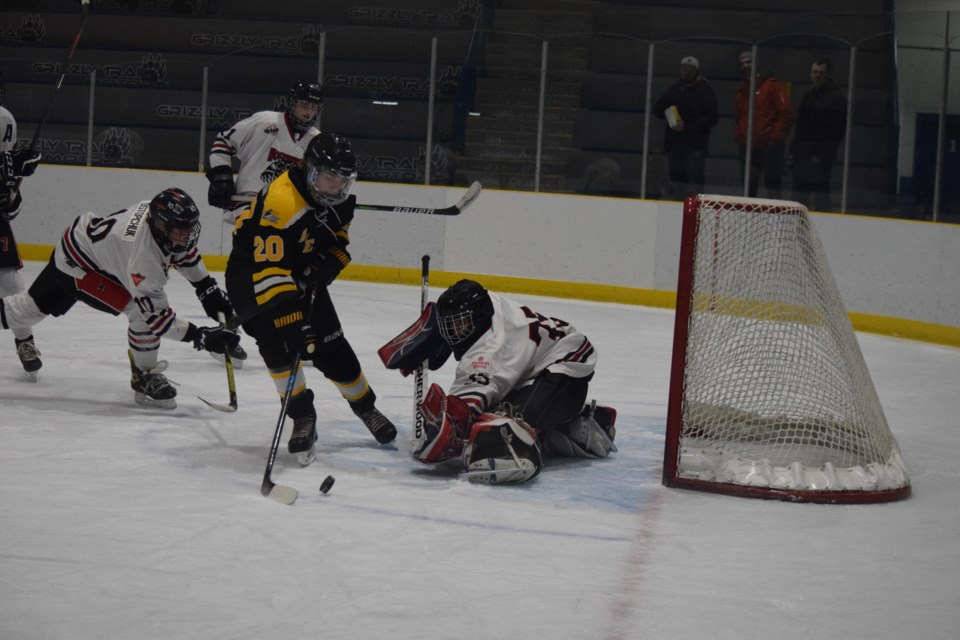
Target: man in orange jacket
{"x": 772, "y": 117}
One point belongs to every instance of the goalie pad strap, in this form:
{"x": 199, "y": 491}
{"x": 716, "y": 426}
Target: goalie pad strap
{"x": 501, "y": 449}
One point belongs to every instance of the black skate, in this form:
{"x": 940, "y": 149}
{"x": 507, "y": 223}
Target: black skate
{"x": 304, "y": 436}
{"x": 237, "y": 356}
{"x": 378, "y": 424}
{"x": 29, "y": 356}
{"x": 151, "y": 388}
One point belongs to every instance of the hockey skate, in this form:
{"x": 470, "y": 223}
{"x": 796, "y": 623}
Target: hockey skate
{"x": 237, "y": 357}
{"x": 589, "y": 435}
{"x": 303, "y": 440}
{"x": 29, "y": 356}
{"x": 378, "y": 424}
{"x": 151, "y": 388}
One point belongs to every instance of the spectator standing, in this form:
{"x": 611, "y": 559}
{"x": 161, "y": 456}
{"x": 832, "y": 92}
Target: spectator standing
{"x": 690, "y": 109}
{"x": 772, "y": 117}
{"x": 821, "y": 125}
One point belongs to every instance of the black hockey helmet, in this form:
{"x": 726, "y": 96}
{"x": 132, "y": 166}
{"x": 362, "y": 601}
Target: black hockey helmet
{"x": 465, "y": 311}
{"x": 329, "y": 168}
{"x": 304, "y": 91}
{"x": 174, "y": 221}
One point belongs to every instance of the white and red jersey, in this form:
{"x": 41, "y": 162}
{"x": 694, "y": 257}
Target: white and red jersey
{"x": 121, "y": 248}
{"x": 265, "y": 145}
{"x": 8, "y": 130}
{"x": 519, "y": 345}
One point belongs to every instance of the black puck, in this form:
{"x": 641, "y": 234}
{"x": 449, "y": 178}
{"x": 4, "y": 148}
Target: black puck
{"x": 326, "y": 484}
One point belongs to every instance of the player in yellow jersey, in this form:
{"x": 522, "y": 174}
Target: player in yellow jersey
{"x": 288, "y": 246}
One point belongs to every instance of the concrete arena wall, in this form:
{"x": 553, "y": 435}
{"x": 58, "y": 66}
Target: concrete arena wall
{"x": 896, "y": 277}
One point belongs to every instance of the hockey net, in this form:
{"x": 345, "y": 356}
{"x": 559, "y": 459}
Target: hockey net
{"x": 770, "y": 396}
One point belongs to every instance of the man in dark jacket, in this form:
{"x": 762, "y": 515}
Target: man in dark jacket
{"x": 821, "y": 125}
{"x": 690, "y": 109}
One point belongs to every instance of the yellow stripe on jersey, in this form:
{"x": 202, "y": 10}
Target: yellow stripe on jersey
{"x": 271, "y": 282}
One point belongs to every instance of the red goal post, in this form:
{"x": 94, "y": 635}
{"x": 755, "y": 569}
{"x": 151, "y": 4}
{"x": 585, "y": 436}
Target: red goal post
{"x": 770, "y": 396}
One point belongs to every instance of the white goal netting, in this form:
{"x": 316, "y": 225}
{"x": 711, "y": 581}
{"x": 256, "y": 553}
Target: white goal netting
{"x": 775, "y": 391}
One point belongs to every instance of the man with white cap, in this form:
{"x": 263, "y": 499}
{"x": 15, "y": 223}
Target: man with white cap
{"x": 690, "y": 109}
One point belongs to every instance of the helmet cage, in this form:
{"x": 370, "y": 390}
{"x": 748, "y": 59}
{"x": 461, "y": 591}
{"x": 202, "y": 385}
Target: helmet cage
{"x": 456, "y": 327}
{"x": 305, "y": 92}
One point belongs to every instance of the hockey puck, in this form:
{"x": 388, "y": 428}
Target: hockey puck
{"x": 326, "y": 484}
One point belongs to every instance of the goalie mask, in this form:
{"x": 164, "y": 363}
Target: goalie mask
{"x": 465, "y": 312}
{"x": 304, "y": 104}
{"x": 174, "y": 221}
{"x": 329, "y": 169}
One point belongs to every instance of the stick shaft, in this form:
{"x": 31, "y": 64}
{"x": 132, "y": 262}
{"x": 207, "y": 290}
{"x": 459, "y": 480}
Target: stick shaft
{"x": 420, "y": 373}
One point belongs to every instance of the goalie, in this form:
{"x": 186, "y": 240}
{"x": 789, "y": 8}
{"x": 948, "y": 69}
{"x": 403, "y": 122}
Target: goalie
{"x": 518, "y": 392}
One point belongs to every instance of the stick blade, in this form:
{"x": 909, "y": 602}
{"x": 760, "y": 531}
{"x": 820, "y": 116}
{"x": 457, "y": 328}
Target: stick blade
{"x": 232, "y": 408}
{"x": 469, "y": 196}
{"x": 280, "y": 493}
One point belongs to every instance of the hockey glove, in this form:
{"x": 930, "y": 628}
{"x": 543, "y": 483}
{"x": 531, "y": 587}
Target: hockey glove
{"x": 213, "y": 298}
{"x": 325, "y": 266}
{"x": 17, "y": 164}
{"x": 214, "y": 339}
{"x": 297, "y": 334}
{"x": 9, "y": 204}
{"x": 222, "y": 188}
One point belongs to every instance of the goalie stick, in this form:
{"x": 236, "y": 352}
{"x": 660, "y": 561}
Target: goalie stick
{"x": 420, "y": 374}
{"x": 231, "y": 384}
{"x": 468, "y": 197}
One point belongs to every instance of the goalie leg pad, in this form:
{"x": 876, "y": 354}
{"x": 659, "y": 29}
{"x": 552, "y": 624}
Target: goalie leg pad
{"x": 445, "y": 421}
{"x": 501, "y": 449}
{"x": 419, "y": 342}
{"x": 582, "y": 437}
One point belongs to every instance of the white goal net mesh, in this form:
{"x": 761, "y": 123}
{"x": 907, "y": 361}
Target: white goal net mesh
{"x": 776, "y": 392}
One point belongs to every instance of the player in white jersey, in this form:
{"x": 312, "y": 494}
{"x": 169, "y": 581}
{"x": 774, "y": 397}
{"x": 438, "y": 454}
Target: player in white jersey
{"x": 520, "y": 386}
{"x": 119, "y": 263}
{"x": 265, "y": 145}
{"x": 14, "y": 165}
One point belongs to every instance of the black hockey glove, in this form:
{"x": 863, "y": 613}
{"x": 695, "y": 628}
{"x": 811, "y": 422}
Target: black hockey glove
{"x": 297, "y": 334}
{"x": 213, "y": 339}
{"x": 17, "y": 164}
{"x": 222, "y": 188}
{"x": 9, "y": 203}
{"x": 325, "y": 266}
{"x": 213, "y": 298}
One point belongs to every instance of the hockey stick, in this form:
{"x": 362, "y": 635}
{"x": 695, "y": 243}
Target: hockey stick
{"x": 281, "y": 493}
{"x": 231, "y": 384}
{"x": 464, "y": 202}
{"x": 420, "y": 373}
{"x": 84, "y": 13}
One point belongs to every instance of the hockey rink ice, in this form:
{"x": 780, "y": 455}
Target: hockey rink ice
{"x": 123, "y": 523}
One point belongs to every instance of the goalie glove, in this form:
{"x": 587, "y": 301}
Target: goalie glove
{"x": 222, "y": 188}
{"x": 213, "y": 298}
{"x": 501, "y": 449}
{"x": 419, "y": 342}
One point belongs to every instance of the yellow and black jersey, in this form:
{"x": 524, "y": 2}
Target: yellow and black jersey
{"x": 276, "y": 239}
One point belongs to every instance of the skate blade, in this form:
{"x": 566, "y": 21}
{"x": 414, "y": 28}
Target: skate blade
{"x": 33, "y": 375}
{"x": 306, "y": 458}
{"x": 153, "y": 403}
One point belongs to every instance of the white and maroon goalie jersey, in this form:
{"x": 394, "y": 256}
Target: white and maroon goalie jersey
{"x": 265, "y": 145}
{"x": 518, "y": 346}
{"x": 121, "y": 247}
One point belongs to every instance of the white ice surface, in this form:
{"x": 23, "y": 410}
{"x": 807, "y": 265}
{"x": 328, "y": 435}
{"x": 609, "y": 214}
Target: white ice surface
{"x": 122, "y": 523}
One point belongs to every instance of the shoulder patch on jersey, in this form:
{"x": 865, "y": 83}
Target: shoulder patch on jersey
{"x": 137, "y": 278}
{"x": 284, "y": 205}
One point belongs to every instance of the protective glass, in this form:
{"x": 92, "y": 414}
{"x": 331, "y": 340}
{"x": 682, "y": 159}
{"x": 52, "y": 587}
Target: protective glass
{"x": 328, "y": 187}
